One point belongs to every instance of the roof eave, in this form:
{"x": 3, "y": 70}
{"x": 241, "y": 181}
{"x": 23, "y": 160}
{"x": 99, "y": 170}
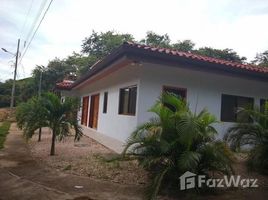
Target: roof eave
{"x": 162, "y": 58}
{"x": 106, "y": 61}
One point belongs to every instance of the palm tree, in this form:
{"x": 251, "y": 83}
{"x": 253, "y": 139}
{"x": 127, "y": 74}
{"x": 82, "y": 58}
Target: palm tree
{"x": 175, "y": 141}
{"x": 253, "y": 136}
{"x": 60, "y": 117}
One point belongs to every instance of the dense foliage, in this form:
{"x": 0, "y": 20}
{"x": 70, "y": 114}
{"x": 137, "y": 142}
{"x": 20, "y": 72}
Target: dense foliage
{"x": 25, "y": 89}
{"x": 3, "y": 133}
{"x": 101, "y": 44}
{"x": 261, "y": 59}
{"x": 225, "y": 54}
{"x": 176, "y": 141}
{"x": 31, "y": 116}
{"x": 48, "y": 111}
{"x": 252, "y": 136}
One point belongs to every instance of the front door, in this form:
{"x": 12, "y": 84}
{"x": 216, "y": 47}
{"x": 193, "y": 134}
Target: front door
{"x": 94, "y": 111}
{"x": 84, "y": 111}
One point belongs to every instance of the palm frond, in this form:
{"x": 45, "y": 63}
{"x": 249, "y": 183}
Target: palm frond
{"x": 177, "y": 140}
{"x": 189, "y": 160}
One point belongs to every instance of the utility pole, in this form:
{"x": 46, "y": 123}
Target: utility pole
{"x": 15, "y": 75}
{"x": 39, "y": 95}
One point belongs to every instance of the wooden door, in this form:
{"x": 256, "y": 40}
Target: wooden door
{"x": 84, "y": 110}
{"x": 94, "y": 111}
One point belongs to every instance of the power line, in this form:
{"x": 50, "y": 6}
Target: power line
{"x": 23, "y": 26}
{"x": 26, "y": 18}
{"x": 33, "y": 25}
{"x": 36, "y": 30}
{"x": 37, "y": 16}
{"x": 23, "y": 70}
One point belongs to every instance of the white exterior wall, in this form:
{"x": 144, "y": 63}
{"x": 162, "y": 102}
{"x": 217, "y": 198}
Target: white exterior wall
{"x": 204, "y": 90}
{"x": 111, "y": 123}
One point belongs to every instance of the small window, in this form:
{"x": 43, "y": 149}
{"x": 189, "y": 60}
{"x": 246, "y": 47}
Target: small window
{"x": 262, "y": 105}
{"x": 105, "y": 102}
{"x": 179, "y": 92}
{"x": 230, "y": 105}
{"x": 127, "y": 100}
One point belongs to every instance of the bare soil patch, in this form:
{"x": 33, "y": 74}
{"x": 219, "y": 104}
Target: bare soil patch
{"x": 7, "y": 114}
{"x": 240, "y": 167}
{"x": 3, "y": 114}
{"x": 86, "y": 158}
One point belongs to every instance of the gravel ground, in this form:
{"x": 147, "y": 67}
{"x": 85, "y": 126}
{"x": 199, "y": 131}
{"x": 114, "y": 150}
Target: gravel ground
{"x": 86, "y": 158}
{"x": 240, "y": 167}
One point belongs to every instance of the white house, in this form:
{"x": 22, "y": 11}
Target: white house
{"x": 117, "y": 92}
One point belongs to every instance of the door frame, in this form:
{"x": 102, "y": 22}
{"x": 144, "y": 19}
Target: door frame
{"x": 94, "y": 111}
{"x": 85, "y": 104}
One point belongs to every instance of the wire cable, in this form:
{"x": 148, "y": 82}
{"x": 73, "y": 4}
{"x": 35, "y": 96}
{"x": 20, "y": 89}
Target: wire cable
{"x": 36, "y": 30}
{"x": 35, "y": 20}
{"x": 33, "y": 25}
{"x": 26, "y": 18}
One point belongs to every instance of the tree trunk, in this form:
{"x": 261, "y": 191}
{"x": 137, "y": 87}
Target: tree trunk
{"x": 39, "y": 135}
{"x": 52, "y": 150}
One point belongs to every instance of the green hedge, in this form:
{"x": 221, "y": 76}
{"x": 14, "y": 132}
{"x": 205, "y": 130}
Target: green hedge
{"x": 3, "y": 133}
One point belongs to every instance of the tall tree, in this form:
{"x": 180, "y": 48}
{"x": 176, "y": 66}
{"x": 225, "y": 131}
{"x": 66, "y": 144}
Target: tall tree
{"x": 101, "y": 44}
{"x": 261, "y": 59}
{"x": 185, "y": 45}
{"x": 25, "y": 89}
{"x": 55, "y": 71}
{"x": 81, "y": 62}
{"x": 225, "y": 54}
{"x": 5, "y": 91}
{"x": 154, "y": 39}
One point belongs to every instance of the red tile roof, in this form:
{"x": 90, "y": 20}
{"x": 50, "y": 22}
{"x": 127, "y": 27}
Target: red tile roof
{"x": 197, "y": 57}
{"x": 65, "y": 84}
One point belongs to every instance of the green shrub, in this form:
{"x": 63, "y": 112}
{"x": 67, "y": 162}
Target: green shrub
{"x": 49, "y": 111}
{"x": 4, "y": 128}
{"x": 175, "y": 141}
{"x": 253, "y": 136}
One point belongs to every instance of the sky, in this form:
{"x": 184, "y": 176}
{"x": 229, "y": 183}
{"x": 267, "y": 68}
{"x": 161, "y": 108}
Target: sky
{"x": 237, "y": 24}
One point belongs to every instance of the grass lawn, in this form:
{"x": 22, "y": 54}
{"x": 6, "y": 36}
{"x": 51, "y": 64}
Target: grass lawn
{"x": 4, "y": 127}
